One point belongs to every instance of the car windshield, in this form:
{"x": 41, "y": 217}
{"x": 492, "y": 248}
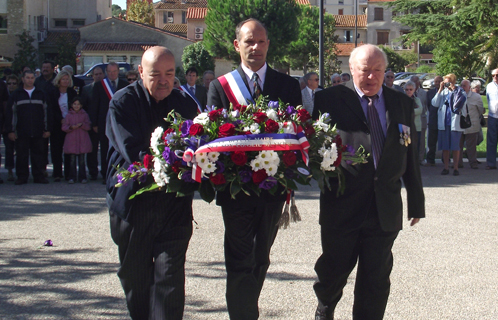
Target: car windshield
{"x": 404, "y": 76}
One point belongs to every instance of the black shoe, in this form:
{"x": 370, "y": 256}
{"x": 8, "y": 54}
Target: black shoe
{"x": 20, "y": 181}
{"x": 42, "y": 181}
{"x": 456, "y": 173}
{"x": 445, "y": 172}
{"x": 323, "y": 312}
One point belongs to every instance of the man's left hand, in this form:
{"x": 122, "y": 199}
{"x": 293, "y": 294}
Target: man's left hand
{"x": 414, "y": 221}
{"x": 46, "y": 134}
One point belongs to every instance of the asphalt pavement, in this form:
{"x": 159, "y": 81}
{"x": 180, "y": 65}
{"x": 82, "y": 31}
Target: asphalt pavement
{"x": 444, "y": 268}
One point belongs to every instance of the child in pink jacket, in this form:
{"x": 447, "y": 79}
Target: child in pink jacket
{"x": 77, "y": 142}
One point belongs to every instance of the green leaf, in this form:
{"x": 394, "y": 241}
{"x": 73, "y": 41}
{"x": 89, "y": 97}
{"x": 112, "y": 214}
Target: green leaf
{"x": 206, "y": 191}
{"x": 149, "y": 188}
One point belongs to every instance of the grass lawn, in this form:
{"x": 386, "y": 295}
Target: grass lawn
{"x": 481, "y": 149}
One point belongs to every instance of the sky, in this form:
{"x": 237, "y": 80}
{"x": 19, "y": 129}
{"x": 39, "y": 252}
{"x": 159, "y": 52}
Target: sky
{"x": 121, "y": 3}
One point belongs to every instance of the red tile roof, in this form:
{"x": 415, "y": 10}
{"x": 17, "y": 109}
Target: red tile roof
{"x": 176, "y": 28}
{"x": 303, "y": 2}
{"x": 66, "y": 36}
{"x": 116, "y": 46}
{"x": 196, "y": 13}
{"x": 345, "y": 49}
{"x": 181, "y": 4}
{"x": 348, "y": 20}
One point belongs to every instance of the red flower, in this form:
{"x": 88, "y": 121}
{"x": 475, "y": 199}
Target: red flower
{"x": 339, "y": 158}
{"x": 214, "y": 115}
{"x": 176, "y": 166}
{"x": 241, "y": 109}
{"x": 259, "y": 176}
{"x": 196, "y": 129}
{"x": 289, "y": 158}
{"x": 309, "y": 130}
{"x": 338, "y": 141}
{"x": 136, "y": 163}
{"x": 271, "y": 126}
{"x": 226, "y": 130}
{"x": 148, "y": 161}
{"x": 303, "y": 115}
{"x": 217, "y": 178}
{"x": 239, "y": 158}
{"x": 259, "y": 117}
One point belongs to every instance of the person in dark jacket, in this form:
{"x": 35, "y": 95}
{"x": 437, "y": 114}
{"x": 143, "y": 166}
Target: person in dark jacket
{"x": 153, "y": 230}
{"x": 28, "y": 121}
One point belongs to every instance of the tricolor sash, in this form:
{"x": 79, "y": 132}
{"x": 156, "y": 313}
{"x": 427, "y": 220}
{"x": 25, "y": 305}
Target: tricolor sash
{"x": 253, "y": 142}
{"x": 187, "y": 91}
{"x": 108, "y": 88}
{"x": 235, "y": 89}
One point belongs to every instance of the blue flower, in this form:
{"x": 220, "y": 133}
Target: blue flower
{"x": 268, "y": 183}
{"x": 169, "y": 156}
{"x": 220, "y": 167}
{"x": 290, "y": 110}
{"x": 245, "y": 175}
{"x": 187, "y": 176}
{"x": 186, "y": 127}
{"x": 273, "y": 104}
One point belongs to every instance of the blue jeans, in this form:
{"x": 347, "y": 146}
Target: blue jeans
{"x": 491, "y": 141}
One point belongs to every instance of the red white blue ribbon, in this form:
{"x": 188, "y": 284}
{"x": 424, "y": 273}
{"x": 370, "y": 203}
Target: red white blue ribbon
{"x": 108, "y": 88}
{"x": 235, "y": 89}
{"x": 191, "y": 95}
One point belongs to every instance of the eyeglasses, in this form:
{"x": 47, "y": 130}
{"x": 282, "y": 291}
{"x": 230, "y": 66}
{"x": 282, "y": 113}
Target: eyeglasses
{"x": 494, "y": 75}
{"x": 130, "y": 79}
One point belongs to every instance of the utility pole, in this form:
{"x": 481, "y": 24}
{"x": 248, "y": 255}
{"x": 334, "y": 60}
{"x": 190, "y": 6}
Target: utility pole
{"x": 321, "y": 65}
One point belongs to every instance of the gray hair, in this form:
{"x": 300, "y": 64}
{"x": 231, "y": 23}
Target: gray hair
{"x": 307, "y": 76}
{"x": 335, "y": 75}
{"x": 474, "y": 84}
{"x": 208, "y": 72}
{"x": 410, "y": 84}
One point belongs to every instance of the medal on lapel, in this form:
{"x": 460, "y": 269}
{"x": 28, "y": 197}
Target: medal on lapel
{"x": 404, "y": 133}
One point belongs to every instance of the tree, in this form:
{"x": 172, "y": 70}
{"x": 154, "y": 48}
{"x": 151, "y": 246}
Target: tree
{"x": 117, "y": 11}
{"x": 66, "y": 53}
{"x": 196, "y": 55}
{"x": 395, "y": 61}
{"x": 279, "y": 17}
{"x": 303, "y": 51}
{"x": 27, "y": 54}
{"x": 141, "y": 11}
{"x": 461, "y": 32}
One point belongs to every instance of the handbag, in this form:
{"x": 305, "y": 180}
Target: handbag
{"x": 482, "y": 121}
{"x": 465, "y": 121}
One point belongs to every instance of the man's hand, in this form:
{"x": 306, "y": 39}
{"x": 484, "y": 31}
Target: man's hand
{"x": 12, "y": 136}
{"x": 414, "y": 221}
{"x": 96, "y": 129}
{"x": 46, "y": 134}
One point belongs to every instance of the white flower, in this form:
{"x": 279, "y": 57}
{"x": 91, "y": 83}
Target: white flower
{"x": 256, "y": 164}
{"x": 272, "y": 169}
{"x": 268, "y": 155}
{"x": 235, "y": 114}
{"x": 325, "y": 117}
{"x": 202, "y": 118}
{"x": 289, "y": 128}
{"x": 213, "y": 156}
{"x": 254, "y": 128}
{"x": 207, "y": 167}
{"x": 159, "y": 173}
{"x": 272, "y": 114}
{"x": 319, "y": 125}
{"x": 155, "y": 139}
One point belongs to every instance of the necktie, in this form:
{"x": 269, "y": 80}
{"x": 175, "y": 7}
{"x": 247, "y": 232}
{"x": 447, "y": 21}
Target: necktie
{"x": 256, "y": 88}
{"x": 375, "y": 129}
{"x": 313, "y": 95}
{"x": 113, "y": 85}
{"x": 192, "y": 89}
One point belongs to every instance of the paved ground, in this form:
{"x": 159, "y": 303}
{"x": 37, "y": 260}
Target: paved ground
{"x": 445, "y": 267}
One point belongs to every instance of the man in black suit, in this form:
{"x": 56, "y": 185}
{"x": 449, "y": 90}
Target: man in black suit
{"x": 362, "y": 223}
{"x": 432, "y": 124}
{"x": 251, "y": 222}
{"x": 92, "y": 161}
{"x": 103, "y": 91}
{"x": 197, "y": 92}
{"x": 153, "y": 229}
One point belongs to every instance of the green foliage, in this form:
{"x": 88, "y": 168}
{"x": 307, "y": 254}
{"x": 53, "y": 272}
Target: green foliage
{"x": 180, "y": 74}
{"x": 116, "y": 10}
{"x": 425, "y": 68}
{"x": 396, "y": 62}
{"x": 196, "y": 55}
{"x": 303, "y": 52}
{"x": 141, "y": 11}
{"x": 461, "y": 32}
{"x": 279, "y": 17}
{"x": 27, "y": 54}
{"x": 66, "y": 53}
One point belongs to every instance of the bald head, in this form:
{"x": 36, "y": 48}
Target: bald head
{"x": 465, "y": 84}
{"x": 158, "y": 72}
{"x": 367, "y": 64}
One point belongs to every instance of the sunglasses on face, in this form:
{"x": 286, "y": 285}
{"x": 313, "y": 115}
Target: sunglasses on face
{"x": 494, "y": 75}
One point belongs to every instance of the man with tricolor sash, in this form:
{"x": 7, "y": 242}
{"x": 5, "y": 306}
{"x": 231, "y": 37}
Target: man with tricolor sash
{"x": 250, "y": 221}
{"x": 103, "y": 92}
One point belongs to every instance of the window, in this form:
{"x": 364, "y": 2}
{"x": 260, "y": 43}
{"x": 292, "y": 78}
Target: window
{"x": 378, "y": 14}
{"x": 184, "y": 16}
{"x": 168, "y": 17}
{"x": 348, "y": 35}
{"x": 340, "y": 12}
{"x": 382, "y": 37}
{"x": 89, "y": 61}
{"x": 341, "y": 1}
{"x": 78, "y": 22}
{"x": 3, "y": 24}
{"x": 60, "y": 23}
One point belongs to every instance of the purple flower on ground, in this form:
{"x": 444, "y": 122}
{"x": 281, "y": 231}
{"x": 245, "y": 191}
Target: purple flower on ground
{"x": 187, "y": 176}
{"x": 273, "y": 104}
{"x": 290, "y": 110}
{"x": 186, "y": 127}
{"x": 220, "y": 167}
{"x": 245, "y": 175}
{"x": 289, "y": 174}
{"x": 169, "y": 156}
{"x": 48, "y": 243}
{"x": 268, "y": 183}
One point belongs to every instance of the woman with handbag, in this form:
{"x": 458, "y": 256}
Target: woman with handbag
{"x": 469, "y": 137}
{"x": 449, "y": 100}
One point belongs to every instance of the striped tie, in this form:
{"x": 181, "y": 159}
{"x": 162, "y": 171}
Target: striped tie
{"x": 375, "y": 129}
{"x": 256, "y": 88}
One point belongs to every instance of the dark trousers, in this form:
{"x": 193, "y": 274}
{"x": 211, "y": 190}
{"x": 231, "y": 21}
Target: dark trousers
{"x": 104, "y": 147}
{"x": 152, "y": 245}
{"x": 81, "y": 171}
{"x": 342, "y": 249}
{"x": 56, "y": 146}
{"x": 432, "y": 145}
{"x": 249, "y": 235}
{"x": 26, "y": 148}
{"x": 9, "y": 151}
{"x": 45, "y": 153}
{"x": 92, "y": 158}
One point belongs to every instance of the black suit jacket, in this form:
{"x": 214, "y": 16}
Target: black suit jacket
{"x": 201, "y": 95}
{"x": 53, "y": 103}
{"x": 364, "y": 183}
{"x": 277, "y": 86}
{"x": 432, "y": 110}
{"x": 100, "y": 105}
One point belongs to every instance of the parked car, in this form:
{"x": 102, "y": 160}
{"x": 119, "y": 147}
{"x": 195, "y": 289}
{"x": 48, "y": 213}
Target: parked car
{"x": 87, "y": 76}
{"x": 399, "y": 75}
{"x": 422, "y": 77}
